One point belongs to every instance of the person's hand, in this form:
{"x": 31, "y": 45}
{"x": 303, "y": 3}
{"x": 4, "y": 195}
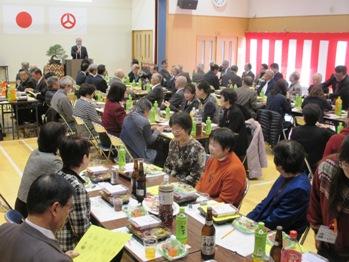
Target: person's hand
{"x": 28, "y": 90}
{"x": 159, "y": 128}
{"x": 72, "y": 254}
{"x": 166, "y": 103}
{"x": 317, "y": 244}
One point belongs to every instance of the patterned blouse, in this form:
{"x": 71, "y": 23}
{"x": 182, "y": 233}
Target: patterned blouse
{"x": 187, "y": 162}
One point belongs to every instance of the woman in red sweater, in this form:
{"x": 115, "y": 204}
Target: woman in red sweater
{"x": 114, "y": 112}
{"x": 224, "y": 178}
{"x": 329, "y": 203}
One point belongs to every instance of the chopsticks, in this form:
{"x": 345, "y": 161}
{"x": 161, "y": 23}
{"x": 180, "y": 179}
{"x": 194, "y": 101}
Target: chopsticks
{"x": 228, "y": 233}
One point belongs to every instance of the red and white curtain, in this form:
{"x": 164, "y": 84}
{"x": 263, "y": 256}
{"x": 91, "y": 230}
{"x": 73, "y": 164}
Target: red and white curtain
{"x": 306, "y": 53}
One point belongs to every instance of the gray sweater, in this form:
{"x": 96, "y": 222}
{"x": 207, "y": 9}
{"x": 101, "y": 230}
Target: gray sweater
{"x": 62, "y": 105}
{"x": 39, "y": 163}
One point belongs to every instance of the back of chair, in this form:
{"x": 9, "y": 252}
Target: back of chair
{"x": 14, "y": 217}
{"x": 79, "y": 120}
{"x": 99, "y": 128}
{"x": 51, "y": 115}
{"x": 70, "y": 130}
{"x": 245, "y": 193}
{"x": 271, "y": 123}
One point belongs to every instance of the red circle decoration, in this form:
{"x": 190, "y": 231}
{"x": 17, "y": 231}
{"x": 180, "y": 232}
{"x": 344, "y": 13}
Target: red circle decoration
{"x": 24, "y": 19}
{"x": 68, "y": 20}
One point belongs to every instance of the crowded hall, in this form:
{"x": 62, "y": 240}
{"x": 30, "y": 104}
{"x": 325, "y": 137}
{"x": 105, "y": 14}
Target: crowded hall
{"x": 186, "y": 130}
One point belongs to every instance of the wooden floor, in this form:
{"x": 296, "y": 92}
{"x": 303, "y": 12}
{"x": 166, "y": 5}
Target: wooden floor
{"x": 14, "y": 154}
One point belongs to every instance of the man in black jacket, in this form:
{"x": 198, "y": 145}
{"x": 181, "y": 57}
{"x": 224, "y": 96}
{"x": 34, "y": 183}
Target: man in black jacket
{"x": 78, "y": 51}
{"x": 95, "y": 77}
{"x": 177, "y": 98}
{"x": 211, "y": 76}
{"x": 81, "y": 76}
{"x": 230, "y": 77}
{"x": 26, "y": 83}
{"x": 166, "y": 76}
{"x": 156, "y": 93}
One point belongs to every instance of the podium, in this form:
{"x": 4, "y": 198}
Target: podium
{"x": 72, "y": 67}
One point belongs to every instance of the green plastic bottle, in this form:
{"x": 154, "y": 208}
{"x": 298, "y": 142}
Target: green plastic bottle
{"x": 339, "y": 127}
{"x": 129, "y": 103}
{"x": 122, "y": 158}
{"x": 193, "y": 129}
{"x": 148, "y": 88}
{"x": 168, "y": 112}
{"x": 182, "y": 226}
{"x": 260, "y": 241}
{"x": 152, "y": 115}
{"x": 208, "y": 129}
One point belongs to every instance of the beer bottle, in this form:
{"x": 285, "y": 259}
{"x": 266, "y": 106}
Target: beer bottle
{"x": 134, "y": 177}
{"x": 165, "y": 202}
{"x": 208, "y": 233}
{"x": 275, "y": 252}
{"x": 141, "y": 184}
{"x": 278, "y": 236}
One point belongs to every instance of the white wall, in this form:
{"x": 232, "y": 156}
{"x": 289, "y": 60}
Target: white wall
{"x": 233, "y": 8}
{"x": 272, "y": 8}
{"x": 107, "y": 38}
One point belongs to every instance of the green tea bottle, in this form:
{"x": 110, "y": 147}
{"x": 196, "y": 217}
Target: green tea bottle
{"x": 182, "y": 226}
{"x": 260, "y": 241}
{"x": 122, "y": 158}
{"x": 208, "y": 126}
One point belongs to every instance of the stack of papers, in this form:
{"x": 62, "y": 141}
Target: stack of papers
{"x": 223, "y": 210}
{"x": 145, "y": 222}
{"x": 113, "y": 189}
{"x": 97, "y": 169}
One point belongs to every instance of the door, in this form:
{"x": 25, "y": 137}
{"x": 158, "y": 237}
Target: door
{"x": 142, "y": 45}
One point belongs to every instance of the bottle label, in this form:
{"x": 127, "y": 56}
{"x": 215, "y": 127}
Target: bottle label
{"x": 290, "y": 255}
{"x": 207, "y": 245}
{"x": 209, "y": 222}
{"x": 166, "y": 198}
{"x": 140, "y": 192}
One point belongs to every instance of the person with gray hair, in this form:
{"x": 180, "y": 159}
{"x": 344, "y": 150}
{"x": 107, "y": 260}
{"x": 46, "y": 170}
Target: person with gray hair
{"x": 295, "y": 87}
{"x": 52, "y": 87}
{"x": 156, "y": 93}
{"x": 60, "y": 102}
{"x": 268, "y": 83}
{"x": 118, "y": 76}
{"x": 177, "y": 99}
{"x": 198, "y": 76}
{"x": 137, "y": 134}
{"x": 247, "y": 96}
{"x": 231, "y": 78}
{"x": 78, "y": 51}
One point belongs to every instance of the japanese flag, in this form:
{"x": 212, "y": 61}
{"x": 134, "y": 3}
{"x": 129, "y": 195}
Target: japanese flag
{"x": 23, "y": 19}
{"x": 67, "y": 20}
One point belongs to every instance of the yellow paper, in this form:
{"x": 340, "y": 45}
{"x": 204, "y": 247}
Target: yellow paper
{"x": 100, "y": 245}
{"x": 153, "y": 190}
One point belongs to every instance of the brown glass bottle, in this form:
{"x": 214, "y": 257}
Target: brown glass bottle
{"x": 208, "y": 233}
{"x": 165, "y": 202}
{"x": 275, "y": 252}
{"x": 278, "y": 236}
{"x": 134, "y": 177}
{"x": 141, "y": 184}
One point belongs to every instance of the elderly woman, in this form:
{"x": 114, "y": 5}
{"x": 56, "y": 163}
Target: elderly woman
{"x": 329, "y": 203}
{"x": 277, "y": 100}
{"x": 208, "y": 102}
{"x": 317, "y": 96}
{"x": 137, "y": 134}
{"x": 287, "y": 202}
{"x": 186, "y": 156}
{"x": 295, "y": 87}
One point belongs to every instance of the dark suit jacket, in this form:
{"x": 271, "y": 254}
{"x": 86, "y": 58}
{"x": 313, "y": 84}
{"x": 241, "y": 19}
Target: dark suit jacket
{"x": 81, "y": 78}
{"x": 25, "y": 243}
{"x": 98, "y": 81}
{"x": 165, "y": 76}
{"x": 278, "y": 76}
{"x": 41, "y": 89}
{"x": 156, "y": 94}
{"x": 171, "y": 85}
{"x": 212, "y": 79}
{"x": 231, "y": 77}
{"x": 82, "y": 55}
{"x": 29, "y": 83}
{"x": 187, "y": 107}
{"x": 340, "y": 89}
{"x": 270, "y": 86}
{"x": 286, "y": 205}
{"x": 248, "y": 74}
{"x": 177, "y": 100}
{"x": 132, "y": 77}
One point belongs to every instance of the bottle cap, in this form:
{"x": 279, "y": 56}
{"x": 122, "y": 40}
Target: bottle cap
{"x": 276, "y": 243}
{"x": 181, "y": 210}
{"x": 279, "y": 228}
{"x": 293, "y": 234}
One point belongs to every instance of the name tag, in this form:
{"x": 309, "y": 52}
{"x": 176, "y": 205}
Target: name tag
{"x": 325, "y": 234}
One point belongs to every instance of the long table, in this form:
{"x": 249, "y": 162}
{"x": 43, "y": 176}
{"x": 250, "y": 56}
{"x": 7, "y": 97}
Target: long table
{"x": 194, "y": 231}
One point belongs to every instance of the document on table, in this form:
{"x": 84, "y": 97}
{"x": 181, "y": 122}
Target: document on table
{"x": 102, "y": 211}
{"x": 99, "y": 244}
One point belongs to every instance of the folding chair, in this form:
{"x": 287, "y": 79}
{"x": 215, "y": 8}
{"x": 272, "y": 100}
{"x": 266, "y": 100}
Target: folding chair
{"x": 310, "y": 175}
{"x": 117, "y": 143}
{"x": 100, "y": 129}
{"x": 245, "y": 193}
{"x": 80, "y": 122}
{"x": 304, "y": 235}
{"x": 70, "y": 130}
{"x": 4, "y": 205}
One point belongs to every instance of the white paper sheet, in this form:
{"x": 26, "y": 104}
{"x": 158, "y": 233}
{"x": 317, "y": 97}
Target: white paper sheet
{"x": 113, "y": 189}
{"x": 311, "y": 257}
{"x": 102, "y": 211}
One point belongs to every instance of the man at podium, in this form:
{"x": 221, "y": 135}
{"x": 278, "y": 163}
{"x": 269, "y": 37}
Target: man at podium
{"x": 78, "y": 51}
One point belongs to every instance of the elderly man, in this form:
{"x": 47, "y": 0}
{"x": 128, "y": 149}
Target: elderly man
{"x": 171, "y": 84}
{"x": 247, "y": 71}
{"x": 266, "y": 86}
{"x": 198, "y": 76}
{"x": 156, "y": 93}
{"x": 177, "y": 98}
{"x": 61, "y": 103}
{"x": 275, "y": 68}
{"x": 340, "y": 85}
{"x": 118, "y": 76}
{"x": 247, "y": 96}
{"x": 49, "y": 204}
{"x": 78, "y": 51}
{"x": 52, "y": 87}
{"x": 317, "y": 80}
{"x": 26, "y": 82}
{"x": 230, "y": 78}
{"x": 295, "y": 87}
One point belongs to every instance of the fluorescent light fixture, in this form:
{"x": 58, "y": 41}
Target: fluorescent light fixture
{"x": 82, "y": 1}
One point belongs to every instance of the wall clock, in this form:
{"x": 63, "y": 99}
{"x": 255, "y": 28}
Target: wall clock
{"x": 219, "y": 3}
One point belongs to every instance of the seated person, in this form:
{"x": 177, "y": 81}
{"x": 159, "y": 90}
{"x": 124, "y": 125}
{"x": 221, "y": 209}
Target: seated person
{"x": 275, "y": 68}
{"x": 177, "y": 98}
{"x": 247, "y": 96}
{"x": 99, "y": 81}
{"x": 277, "y": 100}
{"x": 114, "y": 112}
{"x": 49, "y": 203}
{"x": 265, "y": 85}
{"x": 137, "y": 134}
{"x": 134, "y": 75}
{"x": 329, "y": 204}
{"x": 61, "y": 103}
{"x": 85, "y": 109}
{"x": 295, "y": 87}
{"x": 224, "y": 177}
{"x": 287, "y": 202}
{"x": 190, "y": 100}
{"x": 230, "y": 77}
{"x": 199, "y": 74}
{"x": 208, "y": 102}
{"x": 26, "y": 82}
{"x": 334, "y": 143}
{"x": 43, "y": 160}
{"x": 75, "y": 153}
{"x": 211, "y": 76}
{"x": 40, "y": 84}
{"x": 234, "y": 119}
{"x": 118, "y": 76}
{"x": 311, "y": 137}
{"x": 156, "y": 93}
{"x": 81, "y": 76}
{"x": 317, "y": 96}
{"x": 248, "y": 72}
{"x": 186, "y": 157}
{"x": 52, "y": 87}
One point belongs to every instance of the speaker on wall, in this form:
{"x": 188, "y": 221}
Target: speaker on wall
{"x": 187, "y": 4}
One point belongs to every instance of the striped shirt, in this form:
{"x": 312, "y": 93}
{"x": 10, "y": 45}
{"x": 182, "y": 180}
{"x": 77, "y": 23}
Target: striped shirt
{"x": 86, "y": 110}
